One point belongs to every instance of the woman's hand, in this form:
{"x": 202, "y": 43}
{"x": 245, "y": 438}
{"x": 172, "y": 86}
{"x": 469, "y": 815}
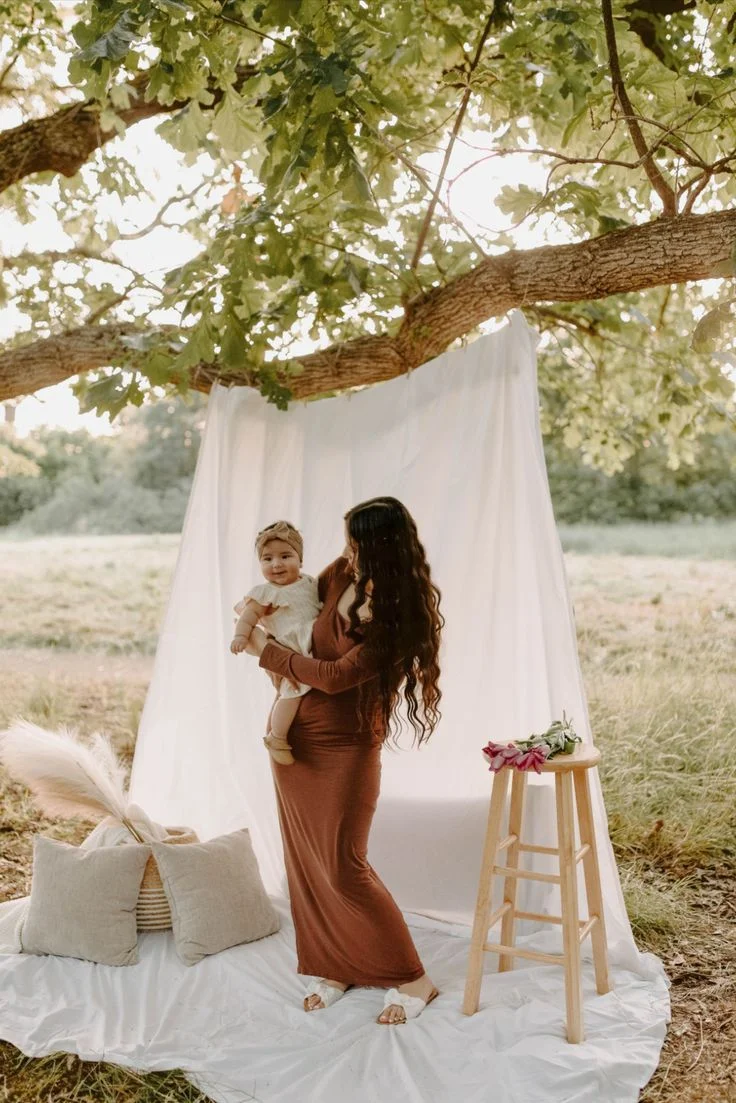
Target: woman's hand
{"x": 256, "y": 643}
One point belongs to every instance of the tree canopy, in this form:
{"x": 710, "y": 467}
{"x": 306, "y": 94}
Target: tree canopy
{"x": 318, "y": 220}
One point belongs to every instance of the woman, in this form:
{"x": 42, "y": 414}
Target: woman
{"x": 377, "y": 637}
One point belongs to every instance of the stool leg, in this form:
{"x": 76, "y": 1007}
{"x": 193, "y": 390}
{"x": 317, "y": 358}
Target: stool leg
{"x": 483, "y": 903}
{"x": 516, "y": 814}
{"x": 569, "y": 900}
{"x": 592, "y": 881}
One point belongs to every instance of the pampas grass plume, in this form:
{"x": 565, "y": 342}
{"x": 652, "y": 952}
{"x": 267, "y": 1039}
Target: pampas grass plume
{"x": 66, "y": 776}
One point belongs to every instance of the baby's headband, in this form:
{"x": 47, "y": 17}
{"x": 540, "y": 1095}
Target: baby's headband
{"x": 280, "y": 530}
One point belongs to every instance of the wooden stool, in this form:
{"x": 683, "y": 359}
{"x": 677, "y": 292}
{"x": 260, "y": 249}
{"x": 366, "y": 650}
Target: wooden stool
{"x": 569, "y": 770}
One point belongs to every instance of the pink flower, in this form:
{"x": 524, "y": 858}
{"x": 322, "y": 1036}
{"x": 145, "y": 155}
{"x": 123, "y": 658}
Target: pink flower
{"x": 532, "y": 759}
{"x": 497, "y": 755}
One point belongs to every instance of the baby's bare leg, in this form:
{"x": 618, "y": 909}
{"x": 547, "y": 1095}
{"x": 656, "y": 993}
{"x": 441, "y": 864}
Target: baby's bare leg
{"x": 282, "y": 715}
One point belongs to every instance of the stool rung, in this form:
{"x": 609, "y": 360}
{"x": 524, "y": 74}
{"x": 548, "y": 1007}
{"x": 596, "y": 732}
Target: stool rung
{"x": 532, "y": 955}
{"x": 506, "y": 906}
{"x": 585, "y": 928}
{"x": 507, "y": 871}
{"x": 529, "y": 849}
{"x": 545, "y": 918}
{"x": 507, "y": 842}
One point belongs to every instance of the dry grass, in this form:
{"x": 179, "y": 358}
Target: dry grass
{"x": 658, "y": 641}
{"x": 703, "y": 539}
{"x": 97, "y": 593}
{"x": 657, "y": 638}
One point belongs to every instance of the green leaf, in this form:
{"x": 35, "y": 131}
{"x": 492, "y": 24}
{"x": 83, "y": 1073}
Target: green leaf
{"x": 357, "y": 188}
{"x": 560, "y": 15}
{"x": 711, "y": 326}
{"x": 110, "y": 393}
{"x": 368, "y": 215}
{"x": 231, "y": 124}
{"x": 338, "y": 78}
{"x": 233, "y": 345}
{"x": 115, "y": 43}
{"x": 187, "y": 129}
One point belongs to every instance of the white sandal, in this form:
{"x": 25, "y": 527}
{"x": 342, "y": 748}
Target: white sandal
{"x": 318, "y": 986}
{"x": 412, "y": 1005}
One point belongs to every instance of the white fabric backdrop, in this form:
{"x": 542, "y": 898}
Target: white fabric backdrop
{"x": 458, "y": 441}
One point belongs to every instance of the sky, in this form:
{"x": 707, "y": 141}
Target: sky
{"x": 162, "y": 170}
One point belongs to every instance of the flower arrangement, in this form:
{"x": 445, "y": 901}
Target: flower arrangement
{"x": 529, "y": 754}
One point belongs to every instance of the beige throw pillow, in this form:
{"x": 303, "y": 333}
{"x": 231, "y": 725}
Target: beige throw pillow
{"x": 216, "y": 894}
{"x": 83, "y": 901}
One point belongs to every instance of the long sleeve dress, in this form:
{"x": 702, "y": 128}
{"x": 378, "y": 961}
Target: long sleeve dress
{"x": 348, "y": 926}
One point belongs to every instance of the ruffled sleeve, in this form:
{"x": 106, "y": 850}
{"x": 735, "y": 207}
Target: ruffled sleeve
{"x": 266, "y": 593}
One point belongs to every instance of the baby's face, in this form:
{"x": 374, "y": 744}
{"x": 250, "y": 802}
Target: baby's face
{"x": 279, "y": 563}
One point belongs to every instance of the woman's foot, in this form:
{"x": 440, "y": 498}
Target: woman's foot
{"x": 422, "y": 989}
{"x": 279, "y": 749}
{"x": 315, "y": 1000}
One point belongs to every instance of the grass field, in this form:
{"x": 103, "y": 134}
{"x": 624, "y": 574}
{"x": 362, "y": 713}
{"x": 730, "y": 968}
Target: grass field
{"x": 657, "y": 633}
{"x": 706, "y": 539}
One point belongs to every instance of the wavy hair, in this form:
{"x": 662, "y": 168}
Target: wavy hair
{"x": 403, "y": 633}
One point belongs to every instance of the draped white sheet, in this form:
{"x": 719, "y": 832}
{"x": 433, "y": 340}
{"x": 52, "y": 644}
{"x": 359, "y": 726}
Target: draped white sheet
{"x": 458, "y": 441}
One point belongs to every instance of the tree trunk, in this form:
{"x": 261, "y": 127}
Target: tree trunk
{"x": 667, "y": 251}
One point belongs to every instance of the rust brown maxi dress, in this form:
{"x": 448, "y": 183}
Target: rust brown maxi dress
{"x": 348, "y": 926}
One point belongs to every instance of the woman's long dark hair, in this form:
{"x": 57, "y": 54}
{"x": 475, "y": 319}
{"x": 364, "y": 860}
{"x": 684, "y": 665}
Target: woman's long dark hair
{"x": 403, "y": 633}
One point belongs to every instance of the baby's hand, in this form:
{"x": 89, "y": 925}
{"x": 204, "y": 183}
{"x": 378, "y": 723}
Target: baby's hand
{"x": 239, "y": 644}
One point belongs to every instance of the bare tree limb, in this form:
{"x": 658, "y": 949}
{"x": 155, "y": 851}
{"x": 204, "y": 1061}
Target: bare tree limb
{"x": 658, "y": 182}
{"x": 158, "y": 220}
{"x": 62, "y": 142}
{"x": 74, "y": 255}
{"x": 659, "y": 253}
{"x": 698, "y": 186}
{"x": 451, "y": 142}
{"x": 421, "y": 176}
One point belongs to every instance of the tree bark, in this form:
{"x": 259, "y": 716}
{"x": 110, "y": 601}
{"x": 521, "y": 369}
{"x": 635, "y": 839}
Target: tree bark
{"x": 62, "y": 142}
{"x": 666, "y": 251}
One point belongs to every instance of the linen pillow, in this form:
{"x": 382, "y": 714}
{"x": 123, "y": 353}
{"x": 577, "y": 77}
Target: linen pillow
{"x": 83, "y": 901}
{"x": 215, "y": 893}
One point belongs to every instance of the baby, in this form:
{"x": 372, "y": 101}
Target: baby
{"x": 287, "y": 605}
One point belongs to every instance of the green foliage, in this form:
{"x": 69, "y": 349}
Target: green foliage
{"x": 162, "y": 442}
{"x": 19, "y": 495}
{"x": 137, "y": 481}
{"x": 113, "y": 505}
{"x": 619, "y": 375}
{"x": 307, "y": 124}
{"x": 646, "y": 489}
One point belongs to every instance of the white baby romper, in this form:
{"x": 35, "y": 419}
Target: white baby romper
{"x": 291, "y": 622}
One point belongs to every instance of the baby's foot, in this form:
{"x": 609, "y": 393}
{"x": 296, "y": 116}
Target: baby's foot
{"x": 279, "y": 749}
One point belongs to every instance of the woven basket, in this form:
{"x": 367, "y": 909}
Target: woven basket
{"x": 153, "y": 912}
